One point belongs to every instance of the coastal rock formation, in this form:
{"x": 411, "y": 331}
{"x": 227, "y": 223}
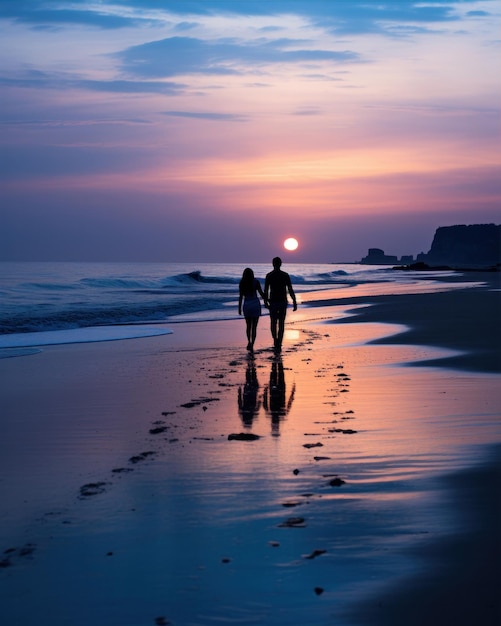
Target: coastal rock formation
{"x": 474, "y": 245}
{"x": 376, "y": 256}
{"x": 460, "y": 246}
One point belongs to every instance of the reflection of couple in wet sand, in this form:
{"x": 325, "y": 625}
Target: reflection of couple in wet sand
{"x": 249, "y": 402}
{"x": 277, "y": 285}
{"x": 274, "y": 399}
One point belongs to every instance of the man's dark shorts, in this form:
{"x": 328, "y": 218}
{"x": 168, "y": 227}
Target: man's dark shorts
{"x": 278, "y": 310}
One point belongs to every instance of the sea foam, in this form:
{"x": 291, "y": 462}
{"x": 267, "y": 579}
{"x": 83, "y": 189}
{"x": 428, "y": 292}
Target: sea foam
{"x": 79, "y": 335}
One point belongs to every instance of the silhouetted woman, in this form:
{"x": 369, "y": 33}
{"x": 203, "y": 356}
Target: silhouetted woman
{"x": 249, "y": 290}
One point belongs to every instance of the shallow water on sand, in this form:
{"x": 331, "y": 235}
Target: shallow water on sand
{"x": 202, "y": 531}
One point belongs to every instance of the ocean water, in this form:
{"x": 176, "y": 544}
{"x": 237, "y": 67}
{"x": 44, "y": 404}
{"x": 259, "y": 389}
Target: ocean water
{"x": 56, "y": 297}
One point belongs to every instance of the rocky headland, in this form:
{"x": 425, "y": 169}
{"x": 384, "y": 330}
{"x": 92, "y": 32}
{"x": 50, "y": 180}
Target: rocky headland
{"x": 475, "y": 246}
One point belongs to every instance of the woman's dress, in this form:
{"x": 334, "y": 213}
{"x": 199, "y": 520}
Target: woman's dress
{"x": 252, "y": 305}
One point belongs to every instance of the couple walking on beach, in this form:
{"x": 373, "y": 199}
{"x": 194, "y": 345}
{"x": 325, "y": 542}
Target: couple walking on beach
{"x": 276, "y": 287}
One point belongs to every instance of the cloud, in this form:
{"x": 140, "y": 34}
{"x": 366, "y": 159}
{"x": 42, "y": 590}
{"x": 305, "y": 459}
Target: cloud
{"x": 184, "y": 26}
{"x": 93, "y": 225}
{"x": 43, "y": 14}
{"x": 341, "y": 18}
{"x": 51, "y": 162}
{"x": 217, "y": 117}
{"x": 54, "y": 123}
{"x": 477, "y": 14}
{"x": 356, "y": 16}
{"x": 187, "y": 55}
{"x": 415, "y": 10}
{"x": 130, "y": 86}
{"x": 36, "y": 79}
{"x": 307, "y": 111}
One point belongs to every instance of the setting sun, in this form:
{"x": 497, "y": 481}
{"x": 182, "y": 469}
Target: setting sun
{"x": 291, "y": 243}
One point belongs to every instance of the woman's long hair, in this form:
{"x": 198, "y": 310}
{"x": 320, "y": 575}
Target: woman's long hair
{"x": 247, "y": 281}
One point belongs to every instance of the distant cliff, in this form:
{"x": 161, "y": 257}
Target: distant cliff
{"x": 376, "y": 256}
{"x": 478, "y": 245}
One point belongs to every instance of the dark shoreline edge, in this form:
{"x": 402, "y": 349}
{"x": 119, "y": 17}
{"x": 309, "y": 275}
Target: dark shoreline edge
{"x": 464, "y": 319}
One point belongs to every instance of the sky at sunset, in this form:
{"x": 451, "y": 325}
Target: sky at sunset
{"x": 211, "y": 130}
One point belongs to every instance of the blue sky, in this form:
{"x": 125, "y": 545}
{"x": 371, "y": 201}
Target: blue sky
{"x": 211, "y": 130}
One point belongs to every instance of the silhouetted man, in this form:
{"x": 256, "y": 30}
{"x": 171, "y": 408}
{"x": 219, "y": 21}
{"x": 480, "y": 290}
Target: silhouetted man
{"x": 276, "y": 286}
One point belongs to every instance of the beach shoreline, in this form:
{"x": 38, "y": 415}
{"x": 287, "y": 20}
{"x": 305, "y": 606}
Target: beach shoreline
{"x": 123, "y": 485}
{"x": 464, "y": 320}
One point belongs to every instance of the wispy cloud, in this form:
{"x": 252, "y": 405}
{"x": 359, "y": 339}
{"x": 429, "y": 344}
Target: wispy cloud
{"x": 74, "y": 123}
{"x": 78, "y": 12}
{"x": 477, "y": 14}
{"x": 44, "y": 80}
{"x": 310, "y": 110}
{"x": 207, "y": 115}
{"x": 176, "y": 56}
{"x": 355, "y": 16}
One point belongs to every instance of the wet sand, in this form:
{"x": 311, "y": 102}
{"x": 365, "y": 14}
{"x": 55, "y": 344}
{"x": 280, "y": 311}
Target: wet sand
{"x": 365, "y": 490}
{"x": 464, "y": 320}
{"x": 461, "y": 574}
